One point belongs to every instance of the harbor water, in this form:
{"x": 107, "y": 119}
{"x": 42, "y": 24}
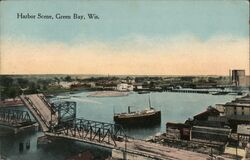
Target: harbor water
{"x": 175, "y": 107}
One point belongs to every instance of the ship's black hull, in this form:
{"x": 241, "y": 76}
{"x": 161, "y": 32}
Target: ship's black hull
{"x": 143, "y": 120}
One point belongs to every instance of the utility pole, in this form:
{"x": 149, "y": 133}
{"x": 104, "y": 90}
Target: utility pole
{"x": 2, "y": 157}
{"x": 248, "y": 57}
{"x": 125, "y": 157}
{"x": 237, "y": 142}
{"x": 1, "y": 149}
{"x": 236, "y": 153}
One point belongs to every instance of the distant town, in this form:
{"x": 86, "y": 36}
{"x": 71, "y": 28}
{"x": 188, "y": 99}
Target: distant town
{"x": 14, "y": 85}
{"x": 219, "y": 131}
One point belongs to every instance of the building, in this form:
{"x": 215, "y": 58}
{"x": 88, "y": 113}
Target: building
{"x": 238, "y": 111}
{"x": 92, "y": 84}
{"x": 138, "y": 86}
{"x": 178, "y": 130}
{"x": 124, "y": 87}
{"x": 220, "y": 108}
{"x": 210, "y": 118}
{"x": 239, "y": 78}
{"x": 210, "y": 134}
{"x": 11, "y": 102}
{"x": 67, "y": 85}
{"x": 238, "y": 107}
{"x": 243, "y": 131}
{"x": 206, "y": 114}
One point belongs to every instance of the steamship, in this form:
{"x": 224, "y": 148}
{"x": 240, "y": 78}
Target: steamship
{"x": 146, "y": 117}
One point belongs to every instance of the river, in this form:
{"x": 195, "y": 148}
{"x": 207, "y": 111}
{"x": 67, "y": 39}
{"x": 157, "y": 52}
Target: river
{"x": 175, "y": 107}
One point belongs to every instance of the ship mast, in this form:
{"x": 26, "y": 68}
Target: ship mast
{"x": 149, "y": 102}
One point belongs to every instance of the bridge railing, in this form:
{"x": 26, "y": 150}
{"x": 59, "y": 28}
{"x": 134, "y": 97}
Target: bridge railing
{"x": 65, "y": 111}
{"x": 66, "y": 123}
{"x": 37, "y": 111}
{"x": 92, "y": 130}
{"x": 12, "y": 116}
{"x": 47, "y": 103}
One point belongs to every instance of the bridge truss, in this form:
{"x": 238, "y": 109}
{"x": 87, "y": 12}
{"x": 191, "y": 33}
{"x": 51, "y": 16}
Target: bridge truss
{"x": 59, "y": 119}
{"x": 80, "y": 128}
{"x": 65, "y": 110}
{"x": 91, "y": 130}
{"x": 12, "y": 117}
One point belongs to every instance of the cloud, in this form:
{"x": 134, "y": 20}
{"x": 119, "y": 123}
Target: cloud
{"x": 181, "y": 55}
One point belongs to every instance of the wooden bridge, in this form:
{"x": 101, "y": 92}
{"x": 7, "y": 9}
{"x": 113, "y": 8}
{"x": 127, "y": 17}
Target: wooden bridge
{"x": 59, "y": 120}
{"x": 40, "y": 109}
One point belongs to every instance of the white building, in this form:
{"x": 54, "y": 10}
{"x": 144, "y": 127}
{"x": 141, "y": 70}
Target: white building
{"x": 243, "y": 129}
{"x": 138, "y": 86}
{"x": 67, "y": 85}
{"x": 238, "y": 107}
{"x": 92, "y": 84}
{"x": 124, "y": 87}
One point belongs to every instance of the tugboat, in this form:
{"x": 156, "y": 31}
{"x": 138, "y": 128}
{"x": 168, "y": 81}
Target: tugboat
{"x": 147, "y": 117}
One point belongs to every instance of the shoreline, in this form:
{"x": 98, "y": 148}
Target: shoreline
{"x": 108, "y": 94}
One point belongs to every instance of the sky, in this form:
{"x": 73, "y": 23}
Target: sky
{"x": 194, "y": 37}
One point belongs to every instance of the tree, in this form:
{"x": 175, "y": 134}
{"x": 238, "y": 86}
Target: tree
{"x": 6, "y": 81}
{"x": 22, "y": 82}
{"x": 32, "y": 88}
{"x": 13, "y": 92}
{"x": 68, "y": 79}
{"x": 57, "y": 80}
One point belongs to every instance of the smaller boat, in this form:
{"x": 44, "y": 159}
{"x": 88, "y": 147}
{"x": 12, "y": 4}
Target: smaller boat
{"x": 143, "y": 92}
{"x": 147, "y": 117}
{"x": 220, "y": 93}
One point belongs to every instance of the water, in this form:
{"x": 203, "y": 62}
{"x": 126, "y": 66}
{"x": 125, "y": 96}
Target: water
{"x": 58, "y": 150}
{"x": 175, "y": 107}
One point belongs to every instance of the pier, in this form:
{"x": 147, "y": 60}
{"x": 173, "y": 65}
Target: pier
{"x": 204, "y": 91}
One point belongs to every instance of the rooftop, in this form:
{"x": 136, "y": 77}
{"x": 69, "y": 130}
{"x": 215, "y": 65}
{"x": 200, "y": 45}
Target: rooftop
{"x": 236, "y": 104}
{"x": 212, "y": 128}
{"x": 209, "y": 112}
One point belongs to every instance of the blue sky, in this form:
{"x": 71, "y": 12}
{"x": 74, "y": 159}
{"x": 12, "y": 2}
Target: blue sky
{"x": 118, "y": 19}
{"x": 182, "y": 37}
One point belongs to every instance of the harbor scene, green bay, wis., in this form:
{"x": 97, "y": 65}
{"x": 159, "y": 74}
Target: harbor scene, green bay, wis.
{"x": 124, "y": 80}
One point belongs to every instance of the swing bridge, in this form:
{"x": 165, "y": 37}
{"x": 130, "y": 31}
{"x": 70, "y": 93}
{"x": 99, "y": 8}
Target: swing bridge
{"x": 58, "y": 120}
